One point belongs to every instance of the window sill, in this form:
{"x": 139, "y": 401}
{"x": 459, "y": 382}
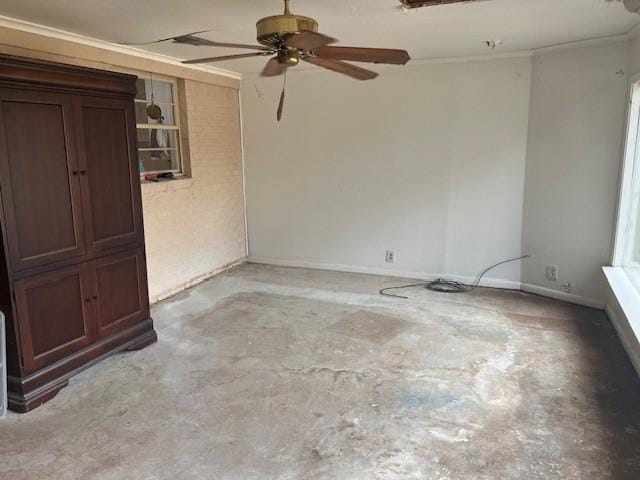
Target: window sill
{"x": 179, "y": 183}
{"x": 628, "y": 299}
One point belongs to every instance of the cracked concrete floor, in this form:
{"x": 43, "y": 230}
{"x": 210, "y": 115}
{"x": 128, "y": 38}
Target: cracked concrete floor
{"x": 277, "y": 373}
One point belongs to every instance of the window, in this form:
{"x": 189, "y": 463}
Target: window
{"x": 627, "y": 247}
{"x": 158, "y": 140}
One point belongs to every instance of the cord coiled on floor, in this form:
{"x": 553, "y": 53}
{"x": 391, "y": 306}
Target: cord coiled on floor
{"x": 442, "y": 285}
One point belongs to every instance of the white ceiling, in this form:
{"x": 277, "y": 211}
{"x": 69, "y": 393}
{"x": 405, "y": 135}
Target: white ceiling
{"x": 435, "y": 32}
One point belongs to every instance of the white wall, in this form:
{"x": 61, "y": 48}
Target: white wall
{"x": 428, "y": 160}
{"x": 575, "y": 137}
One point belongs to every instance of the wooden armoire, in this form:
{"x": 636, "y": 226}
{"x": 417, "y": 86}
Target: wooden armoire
{"x": 73, "y": 281}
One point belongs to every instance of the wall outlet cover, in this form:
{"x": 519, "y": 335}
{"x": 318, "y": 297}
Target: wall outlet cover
{"x": 390, "y": 256}
{"x": 552, "y": 273}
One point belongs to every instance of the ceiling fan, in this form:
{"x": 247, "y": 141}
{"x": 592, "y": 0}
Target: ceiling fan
{"x": 289, "y": 39}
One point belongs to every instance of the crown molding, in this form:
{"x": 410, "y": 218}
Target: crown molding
{"x": 588, "y": 42}
{"x": 37, "y": 29}
{"x": 634, "y": 32}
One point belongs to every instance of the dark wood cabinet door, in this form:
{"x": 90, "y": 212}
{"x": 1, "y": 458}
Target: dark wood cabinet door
{"x": 38, "y": 172}
{"x": 120, "y": 291}
{"x": 54, "y": 311}
{"x": 109, "y": 171}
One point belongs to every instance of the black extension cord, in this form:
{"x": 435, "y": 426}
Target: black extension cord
{"x": 442, "y": 285}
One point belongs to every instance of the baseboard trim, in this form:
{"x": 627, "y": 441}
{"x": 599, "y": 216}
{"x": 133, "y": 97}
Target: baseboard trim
{"x": 427, "y": 277}
{"x": 562, "y": 296}
{"x": 486, "y": 282}
{"x": 622, "y": 329}
{"x": 195, "y": 281}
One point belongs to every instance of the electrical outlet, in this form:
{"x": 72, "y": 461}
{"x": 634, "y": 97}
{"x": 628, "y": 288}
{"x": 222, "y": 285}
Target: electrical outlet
{"x": 552, "y": 273}
{"x": 390, "y": 256}
{"x": 566, "y": 288}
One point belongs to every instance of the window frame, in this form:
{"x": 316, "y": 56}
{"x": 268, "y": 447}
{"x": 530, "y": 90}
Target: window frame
{"x": 623, "y": 306}
{"x": 180, "y": 171}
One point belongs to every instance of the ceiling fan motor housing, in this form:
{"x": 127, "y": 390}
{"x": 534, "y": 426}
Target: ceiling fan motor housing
{"x": 273, "y": 31}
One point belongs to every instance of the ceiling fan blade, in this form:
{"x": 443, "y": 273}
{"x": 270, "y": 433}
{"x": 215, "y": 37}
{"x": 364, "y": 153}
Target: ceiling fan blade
{"x": 273, "y": 68}
{"x": 308, "y": 41}
{"x": 371, "y": 55}
{"x": 430, "y": 3}
{"x": 223, "y": 58}
{"x": 162, "y": 39}
{"x": 342, "y": 67}
{"x": 203, "y": 42}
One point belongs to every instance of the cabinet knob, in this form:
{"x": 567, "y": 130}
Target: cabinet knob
{"x": 83, "y": 172}
{"x": 75, "y": 172}
{"x": 87, "y": 300}
{"x": 95, "y": 297}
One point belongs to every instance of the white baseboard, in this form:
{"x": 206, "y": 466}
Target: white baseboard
{"x": 194, "y": 281}
{"x": 562, "y": 296}
{"x": 628, "y": 339}
{"x": 486, "y": 282}
{"x": 425, "y": 276}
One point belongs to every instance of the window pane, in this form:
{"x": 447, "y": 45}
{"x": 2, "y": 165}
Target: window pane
{"x": 154, "y": 161}
{"x": 162, "y": 91}
{"x": 631, "y": 252}
{"x": 158, "y": 150}
{"x": 157, "y": 138}
{"x": 167, "y": 118}
{"x": 141, "y": 93}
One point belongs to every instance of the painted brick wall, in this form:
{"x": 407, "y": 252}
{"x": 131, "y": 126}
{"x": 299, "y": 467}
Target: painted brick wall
{"x": 195, "y": 227}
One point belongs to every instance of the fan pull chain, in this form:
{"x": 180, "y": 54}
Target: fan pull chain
{"x": 151, "y": 75}
{"x": 284, "y": 87}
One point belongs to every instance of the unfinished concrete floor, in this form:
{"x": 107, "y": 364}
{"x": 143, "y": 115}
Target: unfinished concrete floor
{"x": 276, "y": 373}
